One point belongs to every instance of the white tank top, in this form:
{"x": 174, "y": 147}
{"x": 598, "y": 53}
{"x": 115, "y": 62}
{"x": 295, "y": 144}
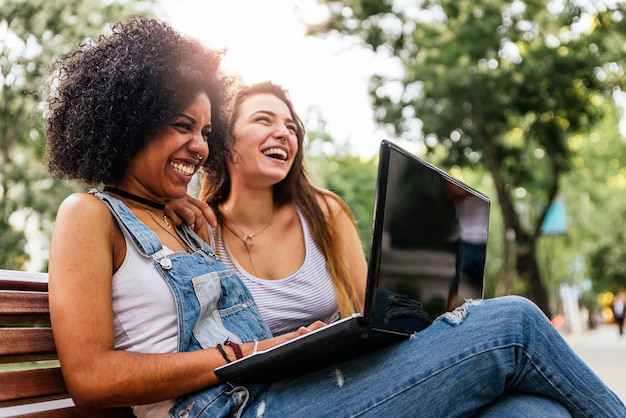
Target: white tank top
{"x": 144, "y": 314}
{"x": 286, "y": 304}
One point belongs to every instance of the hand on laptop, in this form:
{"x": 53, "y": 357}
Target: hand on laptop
{"x": 271, "y": 342}
{"x": 303, "y": 330}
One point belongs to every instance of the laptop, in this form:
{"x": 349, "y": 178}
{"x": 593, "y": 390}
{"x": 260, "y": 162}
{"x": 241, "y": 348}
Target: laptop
{"x": 428, "y": 242}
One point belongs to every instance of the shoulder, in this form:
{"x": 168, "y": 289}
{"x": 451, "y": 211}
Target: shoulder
{"x": 332, "y": 205}
{"x": 84, "y": 204}
{"x": 84, "y": 224}
{"x": 85, "y": 212}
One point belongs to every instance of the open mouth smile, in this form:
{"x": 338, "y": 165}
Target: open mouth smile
{"x": 183, "y": 168}
{"x": 277, "y": 153}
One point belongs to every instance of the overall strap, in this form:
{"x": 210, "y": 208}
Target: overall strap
{"x": 143, "y": 238}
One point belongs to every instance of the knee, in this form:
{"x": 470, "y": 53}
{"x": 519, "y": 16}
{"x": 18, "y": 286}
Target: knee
{"x": 508, "y": 312}
{"x": 518, "y": 307}
{"x": 518, "y": 303}
{"x": 518, "y": 300}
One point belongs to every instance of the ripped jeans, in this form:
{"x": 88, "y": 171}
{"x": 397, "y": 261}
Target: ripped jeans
{"x": 483, "y": 354}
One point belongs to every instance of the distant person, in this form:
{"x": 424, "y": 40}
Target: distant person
{"x": 471, "y": 247}
{"x": 619, "y": 311}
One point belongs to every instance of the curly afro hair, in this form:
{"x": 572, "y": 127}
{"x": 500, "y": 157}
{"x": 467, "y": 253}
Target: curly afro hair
{"x": 110, "y": 96}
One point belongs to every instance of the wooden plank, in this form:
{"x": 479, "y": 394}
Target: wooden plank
{"x": 16, "y": 302}
{"x": 24, "y": 301}
{"x": 23, "y": 298}
{"x": 24, "y": 384}
{"x": 23, "y": 341}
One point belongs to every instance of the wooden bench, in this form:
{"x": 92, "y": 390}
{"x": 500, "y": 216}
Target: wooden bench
{"x": 29, "y": 369}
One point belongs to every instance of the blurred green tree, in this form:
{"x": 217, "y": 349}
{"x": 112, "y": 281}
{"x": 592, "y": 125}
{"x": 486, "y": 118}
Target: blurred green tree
{"x": 32, "y": 33}
{"x": 331, "y": 166}
{"x": 592, "y": 194}
{"x": 501, "y": 84}
{"x": 598, "y": 206}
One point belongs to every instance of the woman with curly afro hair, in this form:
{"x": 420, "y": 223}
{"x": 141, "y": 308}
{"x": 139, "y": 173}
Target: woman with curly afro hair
{"x": 137, "y": 113}
{"x": 110, "y": 98}
{"x": 143, "y": 312}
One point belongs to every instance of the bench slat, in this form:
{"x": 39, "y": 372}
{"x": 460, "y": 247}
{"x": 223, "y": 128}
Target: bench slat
{"x": 24, "y": 341}
{"x": 25, "y": 384}
{"x": 16, "y": 302}
{"x": 19, "y": 308}
{"x": 26, "y": 336}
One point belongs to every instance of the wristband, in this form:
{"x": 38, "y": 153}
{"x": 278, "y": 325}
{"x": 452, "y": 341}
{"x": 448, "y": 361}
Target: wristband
{"x": 255, "y": 347}
{"x": 223, "y": 353}
{"x": 236, "y": 348}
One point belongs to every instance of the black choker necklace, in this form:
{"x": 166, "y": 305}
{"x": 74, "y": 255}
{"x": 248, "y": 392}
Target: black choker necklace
{"x": 138, "y": 199}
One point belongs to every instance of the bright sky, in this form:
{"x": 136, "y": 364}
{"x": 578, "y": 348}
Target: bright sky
{"x": 266, "y": 41}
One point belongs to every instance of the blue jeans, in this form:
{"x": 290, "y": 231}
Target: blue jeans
{"x": 462, "y": 365}
{"x": 523, "y": 405}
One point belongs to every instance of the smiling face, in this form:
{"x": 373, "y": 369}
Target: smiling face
{"x": 164, "y": 167}
{"x": 265, "y": 141}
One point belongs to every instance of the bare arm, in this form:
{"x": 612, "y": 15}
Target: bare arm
{"x": 86, "y": 248}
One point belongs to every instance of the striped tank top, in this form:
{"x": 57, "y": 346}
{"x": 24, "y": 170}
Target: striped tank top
{"x": 286, "y": 304}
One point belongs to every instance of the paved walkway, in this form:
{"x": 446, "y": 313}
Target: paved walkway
{"x": 605, "y": 352}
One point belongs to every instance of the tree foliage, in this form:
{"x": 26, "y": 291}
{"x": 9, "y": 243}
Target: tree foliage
{"x": 350, "y": 177}
{"x": 501, "y": 84}
{"x": 598, "y": 206}
{"x": 32, "y": 33}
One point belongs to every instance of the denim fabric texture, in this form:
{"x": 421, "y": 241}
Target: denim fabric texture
{"x": 524, "y": 405}
{"x": 459, "y": 366}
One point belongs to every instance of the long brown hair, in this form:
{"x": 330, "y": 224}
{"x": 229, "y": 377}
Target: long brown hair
{"x": 295, "y": 188}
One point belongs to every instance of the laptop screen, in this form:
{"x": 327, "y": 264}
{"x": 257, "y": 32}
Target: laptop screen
{"x": 429, "y": 233}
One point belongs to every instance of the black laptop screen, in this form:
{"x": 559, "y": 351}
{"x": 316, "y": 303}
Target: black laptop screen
{"x": 429, "y": 238}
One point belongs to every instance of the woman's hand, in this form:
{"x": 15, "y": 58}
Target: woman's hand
{"x": 305, "y": 330}
{"x": 194, "y": 212}
{"x": 271, "y": 342}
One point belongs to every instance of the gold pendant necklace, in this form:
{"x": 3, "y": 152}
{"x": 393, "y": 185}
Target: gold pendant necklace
{"x": 247, "y": 239}
{"x": 169, "y": 228}
{"x": 245, "y": 245}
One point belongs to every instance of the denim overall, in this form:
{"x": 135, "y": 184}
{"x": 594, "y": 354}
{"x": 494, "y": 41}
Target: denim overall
{"x": 212, "y": 305}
